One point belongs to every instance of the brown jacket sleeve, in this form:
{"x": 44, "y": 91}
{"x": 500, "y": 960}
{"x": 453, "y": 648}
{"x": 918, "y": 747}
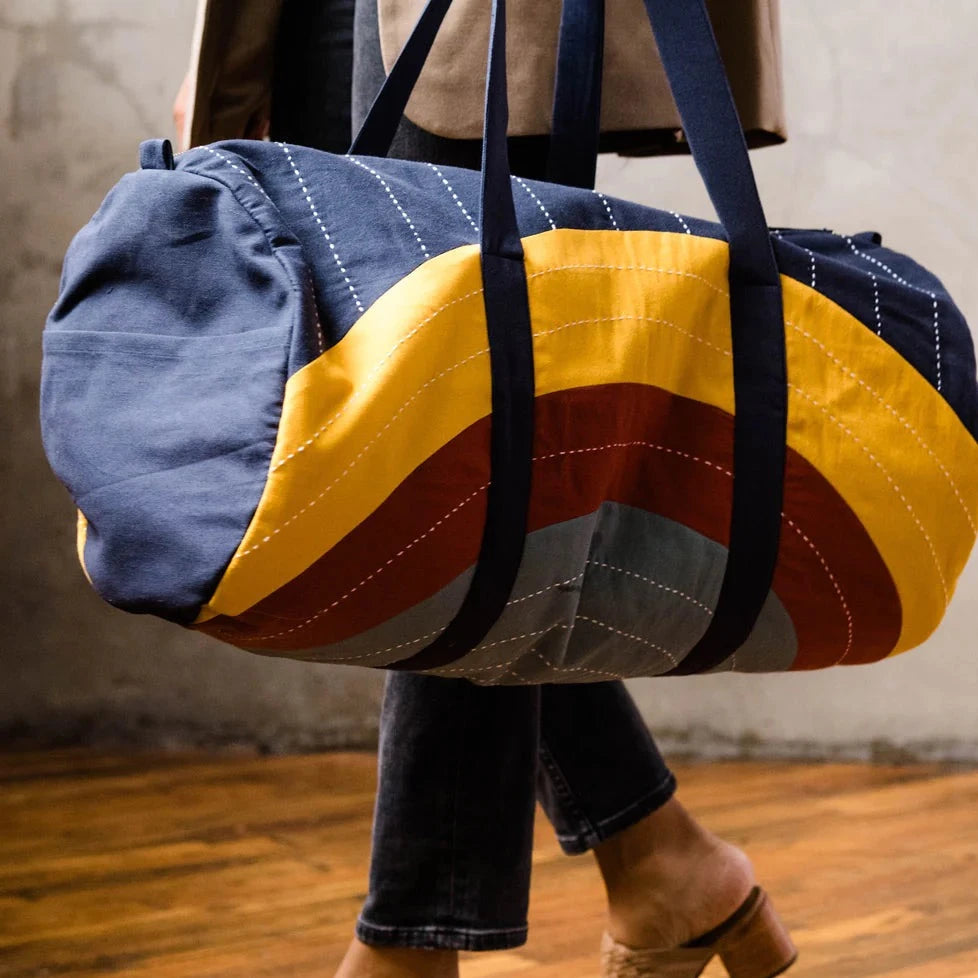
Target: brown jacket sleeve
{"x": 449, "y": 98}
{"x": 234, "y": 43}
{"x": 231, "y": 67}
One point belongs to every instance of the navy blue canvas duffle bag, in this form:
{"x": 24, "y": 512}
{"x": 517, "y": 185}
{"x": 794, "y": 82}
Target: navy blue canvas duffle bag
{"x": 399, "y": 415}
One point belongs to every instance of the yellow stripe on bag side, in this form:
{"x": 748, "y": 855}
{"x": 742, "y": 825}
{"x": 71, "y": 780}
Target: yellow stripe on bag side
{"x": 608, "y": 307}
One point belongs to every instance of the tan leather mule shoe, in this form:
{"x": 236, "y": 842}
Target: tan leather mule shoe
{"x": 752, "y": 943}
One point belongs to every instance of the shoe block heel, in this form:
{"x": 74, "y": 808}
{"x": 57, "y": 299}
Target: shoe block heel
{"x": 757, "y": 946}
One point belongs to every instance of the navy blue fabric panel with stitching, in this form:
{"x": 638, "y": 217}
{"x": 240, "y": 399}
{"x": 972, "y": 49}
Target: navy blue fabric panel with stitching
{"x": 365, "y": 223}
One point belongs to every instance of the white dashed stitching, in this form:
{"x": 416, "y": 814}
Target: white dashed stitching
{"x": 835, "y": 584}
{"x": 633, "y": 638}
{"x": 633, "y": 444}
{"x": 893, "y": 484}
{"x": 241, "y": 170}
{"x": 394, "y": 201}
{"x": 636, "y": 319}
{"x": 301, "y": 448}
{"x": 811, "y": 256}
{"x": 876, "y": 304}
{"x": 649, "y": 580}
{"x": 899, "y": 278}
{"x": 896, "y": 414}
{"x": 322, "y": 227}
{"x": 373, "y": 373}
{"x": 546, "y": 213}
{"x": 400, "y": 553}
{"x": 455, "y": 197}
{"x": 315, "y": 307}
{"x": 679, "y": 218}
{"x": 607, "y": 207}
{"x": 362, "y": 451}
{"x": 632, "y": 268}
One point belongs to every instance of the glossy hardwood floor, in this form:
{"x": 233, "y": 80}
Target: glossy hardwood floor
{"x": 191, "y": 866}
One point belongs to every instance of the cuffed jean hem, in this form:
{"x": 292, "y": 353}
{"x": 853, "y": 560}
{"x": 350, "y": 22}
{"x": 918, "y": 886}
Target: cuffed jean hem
{"x": 591, "y": 833}
{"x": 441, "y": 938}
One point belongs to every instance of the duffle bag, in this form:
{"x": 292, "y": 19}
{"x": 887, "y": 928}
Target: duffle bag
{"x": 392, "y": 414}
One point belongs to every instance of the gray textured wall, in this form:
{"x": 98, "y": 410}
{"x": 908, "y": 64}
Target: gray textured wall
{"x": 882, "y": 100}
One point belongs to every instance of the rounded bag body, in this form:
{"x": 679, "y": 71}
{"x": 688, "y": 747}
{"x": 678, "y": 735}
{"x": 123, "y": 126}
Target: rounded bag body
{"x": 267, "y": 385}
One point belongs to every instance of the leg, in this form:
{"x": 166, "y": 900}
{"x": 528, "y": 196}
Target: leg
{"x": 606, "y": 788}
{"x": 453, "y": 826}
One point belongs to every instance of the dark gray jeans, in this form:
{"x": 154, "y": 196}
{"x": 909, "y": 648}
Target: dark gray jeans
{"x": 460, "y": 766}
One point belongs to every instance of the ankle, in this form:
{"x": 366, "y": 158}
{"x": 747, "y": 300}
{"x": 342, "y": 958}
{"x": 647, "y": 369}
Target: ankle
{"x": 651, "y": 848}
{"x": 363, "y": 961}
{"x": 669, "y": 880}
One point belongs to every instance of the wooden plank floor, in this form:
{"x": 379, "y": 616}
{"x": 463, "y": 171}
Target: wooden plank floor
{"x": 172, "y": 866}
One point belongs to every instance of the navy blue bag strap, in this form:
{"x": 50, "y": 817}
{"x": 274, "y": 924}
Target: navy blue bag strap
{"x": 377, "y": 132}
{"x": 693, "y": 65}
{"x": 510, "y": 335}
{"x": 576, "y": 116}
{"x": 702, "y": 94}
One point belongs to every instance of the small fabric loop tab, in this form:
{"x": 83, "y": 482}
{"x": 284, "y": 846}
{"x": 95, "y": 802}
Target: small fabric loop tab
{"x": 156, "y": 154}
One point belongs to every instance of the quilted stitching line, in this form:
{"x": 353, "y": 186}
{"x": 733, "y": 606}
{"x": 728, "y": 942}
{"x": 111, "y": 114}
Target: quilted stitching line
{"x": 451, "y": 512}
{"x": 876, "y": 304}
{"x": 607, "y": 207}
{"x": 400, "y": 553}
{"x": 896, "y": 414}
{"x": 889, "y": 478}
{"x": 632, "y": 638}
{"x": 635, "y": 319}
{"x": 394, "y": 201}
{"x": 916, "y": 288}
{"x": 380, "y": 363}
{"x": 315, "y": 307}
{"x": 632, "y": 268}
{"x": 478, "y": 670}
{"x": 455, "y": 197}
{"x": 301, "y": 448}
{"x": 370, "y": 376}
{"x": 679, "y": 218}
{"x": 322, "y": 227}
{"x": 392, "y": 648}
{"x": 546, "y": 213}
{"x": 835, "y": 585}
{"x": 811, "y": 257}
{"x": 535, "y": 594}
{"x": 654, "y": 583}
{"x": 362, "y": 451}
{"x": 241, "y": 170}
{"x": 634, "y": 444}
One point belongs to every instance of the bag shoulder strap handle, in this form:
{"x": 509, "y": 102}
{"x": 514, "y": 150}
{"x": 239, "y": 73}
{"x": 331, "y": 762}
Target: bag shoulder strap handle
{"x": 576, "y": 116}
{"x": 696, "y": 75}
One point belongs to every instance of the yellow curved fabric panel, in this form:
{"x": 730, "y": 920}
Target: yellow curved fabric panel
{"x": 609, "y": 307}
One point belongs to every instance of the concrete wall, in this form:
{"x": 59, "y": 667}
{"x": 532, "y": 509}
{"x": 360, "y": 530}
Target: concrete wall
{"x": 882, "y": 106}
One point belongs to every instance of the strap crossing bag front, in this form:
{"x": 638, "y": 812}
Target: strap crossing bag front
{"x": 392, "y": 414}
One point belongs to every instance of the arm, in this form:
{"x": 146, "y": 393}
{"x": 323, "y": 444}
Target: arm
{"x": 226, "y": 93}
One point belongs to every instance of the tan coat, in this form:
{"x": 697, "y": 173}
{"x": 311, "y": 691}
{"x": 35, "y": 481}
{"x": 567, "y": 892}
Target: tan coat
{"x": 231, "y": 66}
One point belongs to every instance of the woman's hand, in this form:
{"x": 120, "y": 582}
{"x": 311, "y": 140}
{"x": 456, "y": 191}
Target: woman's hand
{"x": 180, "y": 108}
